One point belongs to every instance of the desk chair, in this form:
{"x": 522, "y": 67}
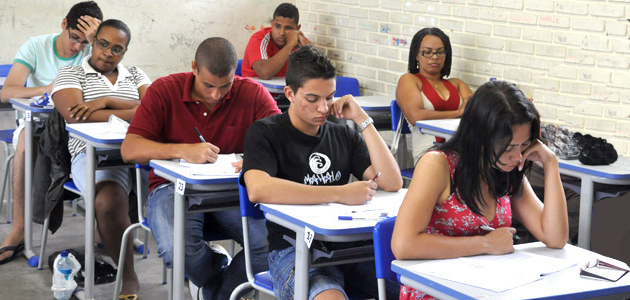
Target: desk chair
{"x": 261, "y": 281}
{"x": 238, "y": 68}
{"x": 399, "y": 144}
{"x": 383, "y": 255}
{"x": 347, "y": 85}
{"x": 68, "y": 186}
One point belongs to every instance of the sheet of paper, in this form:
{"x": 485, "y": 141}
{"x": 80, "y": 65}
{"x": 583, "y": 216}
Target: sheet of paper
{"x": 494, "y": 272}
{"x": 221, "y": 167}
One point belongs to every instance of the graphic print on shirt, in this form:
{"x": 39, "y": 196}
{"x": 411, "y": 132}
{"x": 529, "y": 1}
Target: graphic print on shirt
{"x": 319, "y": 164}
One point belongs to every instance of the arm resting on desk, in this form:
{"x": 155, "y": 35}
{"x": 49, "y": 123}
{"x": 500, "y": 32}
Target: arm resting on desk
{"x": 14, "y": 84}
{"x": 267, "y": 68}
{"x": 263, "y": 188}
{"x": 138, "y": 149}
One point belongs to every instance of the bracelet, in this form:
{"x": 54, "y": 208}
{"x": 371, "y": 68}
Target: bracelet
{"x": 365, "y": 124}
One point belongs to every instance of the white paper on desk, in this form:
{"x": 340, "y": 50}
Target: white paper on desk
{"x": 116, "y": 125}
{"x": 221, "y": 167}
{"x": 494, "y": 272}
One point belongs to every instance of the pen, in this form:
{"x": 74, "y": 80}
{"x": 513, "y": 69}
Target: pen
{"x": 488, "y": 228}
{"x": 200, "y": 136}
{"x": 376, "y": 176}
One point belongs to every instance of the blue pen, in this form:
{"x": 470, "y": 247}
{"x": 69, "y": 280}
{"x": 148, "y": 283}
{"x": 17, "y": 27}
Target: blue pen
{"x": 350, "y": 218}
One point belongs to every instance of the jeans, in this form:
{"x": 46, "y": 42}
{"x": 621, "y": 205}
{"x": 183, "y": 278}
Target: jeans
{"x": 357, "y": 277}
{"x": 203, "y": 266}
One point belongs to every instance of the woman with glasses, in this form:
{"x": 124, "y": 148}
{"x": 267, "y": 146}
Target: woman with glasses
{"x": 424, "y": 93}
{"x": 464, "y": 194}
{"x": 100, "y": 87}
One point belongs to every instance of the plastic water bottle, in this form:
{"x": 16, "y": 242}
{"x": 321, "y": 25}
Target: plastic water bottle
{"x": 65, "y": 267}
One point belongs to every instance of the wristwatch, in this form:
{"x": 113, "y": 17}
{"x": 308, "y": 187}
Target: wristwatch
{"x": 365, "y": 124}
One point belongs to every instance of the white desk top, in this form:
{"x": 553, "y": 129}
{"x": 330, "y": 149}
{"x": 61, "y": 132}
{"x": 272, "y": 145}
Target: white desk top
{"x": 323, "y": 218}
{"x": 274, "y": 82}
{"x": 24, "y": 104}
{"x": 96, "y": 133}
{"x": 172, "y": 170}
{"x": 618, "y": 170}
{"x": 374, "y": 103}
{"x": 566, "y": 284}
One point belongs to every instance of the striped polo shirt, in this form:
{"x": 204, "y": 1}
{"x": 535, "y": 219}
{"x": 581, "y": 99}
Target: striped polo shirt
{"x": 95, "y": 86}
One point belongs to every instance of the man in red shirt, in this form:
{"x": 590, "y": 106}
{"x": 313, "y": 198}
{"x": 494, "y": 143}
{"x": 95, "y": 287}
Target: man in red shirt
{"x": 221, "y": 106}
{"x": 268, "y": 50}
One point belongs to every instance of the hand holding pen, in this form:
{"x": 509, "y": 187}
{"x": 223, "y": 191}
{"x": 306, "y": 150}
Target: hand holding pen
{"x": 499, "y": 240}
{"x": 200, "y": 153}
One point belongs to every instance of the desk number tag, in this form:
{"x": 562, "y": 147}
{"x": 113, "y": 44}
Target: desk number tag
{"x": 28, "y": 116}
{"x": 309, "y": 235}
{"x": 180, "y": 186}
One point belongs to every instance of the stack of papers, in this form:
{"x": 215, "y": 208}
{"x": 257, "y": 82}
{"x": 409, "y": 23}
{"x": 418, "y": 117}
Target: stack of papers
{"x": 497, "y": 273}
{"x": 221, "y": 167}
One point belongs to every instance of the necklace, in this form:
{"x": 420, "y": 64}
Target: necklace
{"x": 432, "y": 83}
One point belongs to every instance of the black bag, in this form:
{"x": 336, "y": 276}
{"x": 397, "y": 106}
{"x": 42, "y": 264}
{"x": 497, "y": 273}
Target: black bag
{"x": 595, "y": 151}
{"x": 103, "y": 272}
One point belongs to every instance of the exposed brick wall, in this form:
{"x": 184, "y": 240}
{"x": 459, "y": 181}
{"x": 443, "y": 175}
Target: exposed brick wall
{"x": 571, "y": 57}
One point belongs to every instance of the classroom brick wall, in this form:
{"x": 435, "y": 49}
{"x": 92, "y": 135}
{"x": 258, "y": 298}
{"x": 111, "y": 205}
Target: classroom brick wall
{"x": 571, "y": 57}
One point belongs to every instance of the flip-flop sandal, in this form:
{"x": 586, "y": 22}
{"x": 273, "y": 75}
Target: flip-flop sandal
{"x": 128, "y": 297}
{"x": 16, "y": 252}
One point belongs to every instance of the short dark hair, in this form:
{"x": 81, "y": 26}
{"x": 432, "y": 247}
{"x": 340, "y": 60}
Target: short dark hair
{"x": 486, "y": 125}
{"x": 414, "y": 48}
{"x": 87, "y": 8}
{"x": 287, "y": 10}
{"x": 217, "y": 55}
{"x": 306, "y": 63}
{"x": 118, "y": 24}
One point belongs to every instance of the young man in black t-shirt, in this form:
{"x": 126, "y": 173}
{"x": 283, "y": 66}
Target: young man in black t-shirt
{"x": 299, "y": 157}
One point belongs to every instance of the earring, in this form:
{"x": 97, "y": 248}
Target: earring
{"x": 417, "y": 65}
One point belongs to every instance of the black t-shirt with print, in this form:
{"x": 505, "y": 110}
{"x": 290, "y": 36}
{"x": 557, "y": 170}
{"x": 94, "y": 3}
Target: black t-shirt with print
{"x": 274, "y": 146}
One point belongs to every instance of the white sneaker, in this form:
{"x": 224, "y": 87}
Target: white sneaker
{"x": 195, "y": 291}
{"x": 216, "y": 248}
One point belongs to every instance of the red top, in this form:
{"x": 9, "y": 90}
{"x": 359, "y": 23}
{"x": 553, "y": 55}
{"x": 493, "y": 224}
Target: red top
{"x": 452, "y": 103}
{"x": 260, "y": 46}
{"x": 167, "y": 114}
{"x": 454, "y": 218}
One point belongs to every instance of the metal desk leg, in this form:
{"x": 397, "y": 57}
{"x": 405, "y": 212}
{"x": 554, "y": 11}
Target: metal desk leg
{"x": 28, "y": 187}
{"x": 90, "y": 165}
{"x": 302, "y": 257}
{"x": 178, "y": 247}
{"x": 586, "y": 212}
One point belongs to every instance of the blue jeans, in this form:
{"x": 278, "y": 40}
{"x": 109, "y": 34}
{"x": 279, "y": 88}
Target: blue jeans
{"x": 357, "y": 277}
{"x": 203, "y": 266}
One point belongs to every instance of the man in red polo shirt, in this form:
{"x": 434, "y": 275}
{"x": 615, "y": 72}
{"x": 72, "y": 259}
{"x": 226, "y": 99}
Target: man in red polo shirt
{"x": 221, "y": 106}
{"x": 268, "y": 50}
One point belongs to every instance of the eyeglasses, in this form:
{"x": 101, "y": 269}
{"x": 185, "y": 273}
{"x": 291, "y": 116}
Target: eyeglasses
{"x": 608, "y": 272}
{"x": 429, "y": 53}
{"x": 104, "y": 45}
{"x": 76, "y": 39}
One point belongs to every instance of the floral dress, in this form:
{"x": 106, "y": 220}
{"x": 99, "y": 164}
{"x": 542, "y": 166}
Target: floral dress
{"x": 454, "y": 218}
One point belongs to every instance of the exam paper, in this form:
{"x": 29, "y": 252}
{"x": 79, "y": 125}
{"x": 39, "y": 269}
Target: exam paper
{"x": 221, "y": 167}
{"x": 496, "y": 273}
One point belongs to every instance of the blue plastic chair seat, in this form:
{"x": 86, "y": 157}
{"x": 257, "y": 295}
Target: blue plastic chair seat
{"x": 407, "y": 172}
{"x": 70, "y": 186}
{"x": 7, "y": 135}
{"x": 263, "y": 279}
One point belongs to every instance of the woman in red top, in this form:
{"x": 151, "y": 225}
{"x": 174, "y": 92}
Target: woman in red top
{"x": 423, "y": 93}
{"x": 476, "y": 178}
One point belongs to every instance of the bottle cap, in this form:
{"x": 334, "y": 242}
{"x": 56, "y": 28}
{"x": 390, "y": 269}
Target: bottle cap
{"x": 64, "y": 253}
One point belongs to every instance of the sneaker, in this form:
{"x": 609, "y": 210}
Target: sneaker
{"x": 195, "y": 291}
{"x": 216, "y": 248}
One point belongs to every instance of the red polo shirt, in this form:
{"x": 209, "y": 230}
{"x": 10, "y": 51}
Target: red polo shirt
{"x": 167, "y": 114}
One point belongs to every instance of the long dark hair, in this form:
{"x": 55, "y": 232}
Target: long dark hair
{"x": 486, "y": 126}
{"x": 414, "y": 48}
